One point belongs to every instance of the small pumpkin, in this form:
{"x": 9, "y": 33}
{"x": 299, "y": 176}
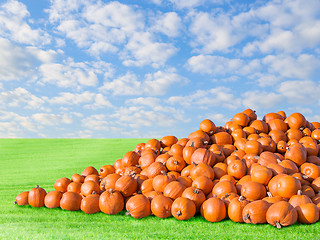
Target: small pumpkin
{"x": 256, "y": 212}
{"x": 253, "y": 191}
{"x": 52, "y": 199}
{"x": 89, "y": 187}
{"x": 111, "y": 202}
{"x": 61, "y": 184}
{"x": 213, "y": 210}
{"x": 90, "y": 204}
{"x": 127, "y": 185}
{"x": 308, "y": 213}
{"x": 168, "y": 141}
{"x": 196, "y": 195}
{"x": 161, "y": 206}
{"x": 287, "y": 186}
{"x": 138, "y": 206}
{"x": 89, "y": 170}
{"x": 183, "y": 208}
{"x": 202, "y": 155}
{"x": 71, "y": 201}
{"x": 161, "y": 181}
{"x": 77, "y": 178}
{"x": 207, "y": 126}
{"x": 203, "y": 183}
{"x": 36, "y": 196}
{"x": 223, "y": 187}
{"x": 22, "y": 198}
{"x": 281, "y": 214}
{"x": 106, "y": 170}
{"x": 174, "y": 190}
{"x": 235, "y": 208}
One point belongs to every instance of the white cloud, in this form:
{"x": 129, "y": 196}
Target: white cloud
{"x": 21, "y": 97}
{"x": 214, "y": 64}
{"x": 97, "y": 122}
{"x": 67, "y": 98}
{"x": 143, "y": 49}
{"x": 100, "y": 101}
{"x": 168, "y": 23}
{"x": 301, "y": 92}
{"x": 256, "y": 99}
{"x": 286, "y": 66}
{"x": 51, "y": 119}
{"x": 68, "y": 74}
{"x": 187, "y": 4}
{"x": 14, "y": 25}
{"x": 154, "y": 84}
{"x": 220, "y": 96}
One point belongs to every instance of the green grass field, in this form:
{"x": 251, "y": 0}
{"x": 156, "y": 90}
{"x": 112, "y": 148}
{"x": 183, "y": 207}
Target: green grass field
{"x": 24, "y": 163}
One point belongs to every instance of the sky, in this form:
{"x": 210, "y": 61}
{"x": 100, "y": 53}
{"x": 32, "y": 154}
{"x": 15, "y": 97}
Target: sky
{"x": 151, "y": 68}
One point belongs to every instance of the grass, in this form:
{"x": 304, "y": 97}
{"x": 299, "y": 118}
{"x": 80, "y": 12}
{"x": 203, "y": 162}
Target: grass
{"x": 24, "y": 163}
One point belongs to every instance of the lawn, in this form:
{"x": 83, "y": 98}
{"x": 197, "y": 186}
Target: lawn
{"x": 25, "y": 163}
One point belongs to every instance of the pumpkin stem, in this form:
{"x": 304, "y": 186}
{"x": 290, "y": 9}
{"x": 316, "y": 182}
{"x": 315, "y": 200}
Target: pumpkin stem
{"x": 269, "y": 194}
{"x": 241, "y": 198}
{"x": 128, "y": 213}
{"x": 15, "y": 202}
{"x": 138, "y": 166}
{"x": 175, "y": 162}
{"x": 196, "y": 190}
{"x": 179, "y": 213}
{"x": 195, "y": 164}
{"x": 302, "y": 128}
{"x": 37, "y": 186}
{"x": 163, "y": 172}
{"x": 94, "y": 192}
{"x": 256, "y": 157}
{"x": 246, "y": 217}
{"x": 304, "y": 176}
{"x": 299, "y": 192}
{"x": 278, "y": 225}
{"x": 205, "y": 142}
{"x": 192, "y": 144}
{"x": 227, "y": 195}
{"x": 215, "y": 195}
{"x": 110, "y": 190}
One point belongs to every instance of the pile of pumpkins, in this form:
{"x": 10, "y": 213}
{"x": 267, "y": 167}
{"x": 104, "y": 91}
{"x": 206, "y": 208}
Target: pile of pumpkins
{"x": 249, "y": 170}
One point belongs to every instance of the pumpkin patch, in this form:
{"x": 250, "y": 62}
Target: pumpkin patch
{"x": 249, "y": 170}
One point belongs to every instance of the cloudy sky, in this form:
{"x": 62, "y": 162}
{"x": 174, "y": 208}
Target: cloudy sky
{"x": 150, "y": 68}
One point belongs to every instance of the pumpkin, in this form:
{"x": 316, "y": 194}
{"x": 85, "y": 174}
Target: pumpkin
{"x": 161, "y": 181}
{"x": 155, "y": 169}
{"x": 74, "y": 187}
{"x": 267, "y": 158}
{"x": 152, "y": 194}
{"x": 296, "y": 121}
{"x": 228, "y": 197}
{"x": 202, "y": 155}
{"x": 223, "y": 187}
{"x": 175, "y": 163}
{"x": 174, "y": 190}
{"x": 281, "y": 214}
{"x": 241, "y": 118}
{"x": 127, "y": 185}
{"x": 70, "y": 201}
{"x": 139, "y": 148}
{"x": 277, "y": 136}
{"x": 213, "y": 210}
{"x": 277, "y": 124}
{"x": 207, "y": 126}
{"x": 77, "y": 178}
{"x": 89, "y": 187}
{"x": 161, "y": 206}
{"x": 22, "y": 198}
{"x": 222, "y": 138}
{"x": 61, "y": 184}
{"x": 296, "y": 154}
{"x": 109, "y": 181}
{"x": 251, "y": 114}
{"x": 203, "y": 183}
{"x": 168, "y": 141}
{"x": 187, "y": 153}
{"x": 253, "y": 146}
{"x": 111, "y": 202}
{"x": 235, "y": 208}
{"x": 176, "y": 150}
{"x": 186, "y": 171}
{"x": 261, "y": 174}
{"x": 316, "y": 184}
{"x": 147, "y": 186}
{"x": 90, "y": 204}
{"x": 308, "y": 191}
{"x": 271, "y": 116}
{"x": 138, "y": 206}
{"x": 310, "y": 171}
{"x": 89, "y": 170}
{"x": 194, "y": 194}
{"x": 106, "y": 170}
{"x": 202, "y": 169}
{"x": 153, "y": 144}
{"x": 242, "y": 181}
{"x": 256, "y": 212}
{"x": 146, "y": 159}
{"x": 253, "y": 191}
{"x": 260, "y": 126}
{"x": 237, "y": 169}
{"x": 183, "y": 141}
{"x": 132, "y": 171}
{"x": 288, "y": 186}
{"x": 220, "y": 169}
{"x": 93, "y": 177}
{"x": 183, "y": 208}
{"x": 197, "y": 142}
{"x": 308, "y": 213}
{"x": 36, "y": 196}
{"x": 201, "y": 134}
{"x": 52, "y": 199}
{"x": 290, "y": 166}
{"x": 298, "y": 199}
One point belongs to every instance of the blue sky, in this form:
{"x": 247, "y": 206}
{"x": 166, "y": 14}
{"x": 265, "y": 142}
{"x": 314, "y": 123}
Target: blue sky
{"x": 119, "y": 69}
